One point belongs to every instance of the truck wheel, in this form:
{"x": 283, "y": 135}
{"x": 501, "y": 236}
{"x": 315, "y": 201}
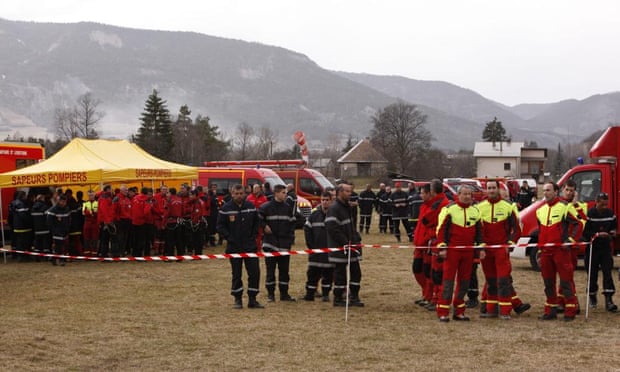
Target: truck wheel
{"x": 535, "y": 258}
{"x": 534, "y": 253}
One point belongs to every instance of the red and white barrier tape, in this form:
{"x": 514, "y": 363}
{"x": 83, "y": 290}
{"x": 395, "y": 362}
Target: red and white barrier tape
{"x": 178, "y": 258}
{"x": 268, "y": 254}
{"x": 490, "y": 246}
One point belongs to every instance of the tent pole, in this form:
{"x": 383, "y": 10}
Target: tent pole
{"x": 2, "y": 226}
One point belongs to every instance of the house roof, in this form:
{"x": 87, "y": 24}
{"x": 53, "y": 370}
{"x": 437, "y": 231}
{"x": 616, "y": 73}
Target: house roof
{"x": 498, "y": 150}
{"x": 362, "y": 152}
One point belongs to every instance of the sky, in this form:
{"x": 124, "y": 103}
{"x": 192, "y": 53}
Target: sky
{"x": 527, "y": 51}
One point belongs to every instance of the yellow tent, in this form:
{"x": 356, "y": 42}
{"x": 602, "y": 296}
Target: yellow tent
{"x": 83, "y": 162}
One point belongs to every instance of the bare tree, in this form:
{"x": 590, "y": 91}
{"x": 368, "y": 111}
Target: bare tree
{"x": 399, "y": 134}
{"x": 244, "y": 141}
{"x": 267, "y": 139}
{"x": 79, "y": 121}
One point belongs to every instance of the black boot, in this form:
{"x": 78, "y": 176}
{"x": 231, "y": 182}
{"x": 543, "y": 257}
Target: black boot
{"x": 253, "y": 304}
{"x": 553, "y": 314}
{"x": 271, "y": 295}
{"x": 238, "y": 304}
{"x": 593, "y": 301}
{"x": 309, "y": 295}
{"x": 609, "y": 305}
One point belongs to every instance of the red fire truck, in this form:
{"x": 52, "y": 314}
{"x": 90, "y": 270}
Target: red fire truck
{"x": 309, "y": 183}
{"x": 591, "y": 179}
{"x": 16, "y": 155}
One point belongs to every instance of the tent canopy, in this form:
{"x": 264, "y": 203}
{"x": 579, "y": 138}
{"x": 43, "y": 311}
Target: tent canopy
{"x": 83, "y": 162}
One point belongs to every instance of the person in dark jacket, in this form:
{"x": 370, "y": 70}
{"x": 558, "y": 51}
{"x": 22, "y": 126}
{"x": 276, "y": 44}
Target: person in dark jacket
{"x": 59, "y": 223}
{"x": 385, "y": 211}
{"x": 21, "y": 222}
{"x": 524, "y": 196}
{"x": 42, "y": 237}
{"x": 367, "y": 200}
{"x": 318, "y": 263}
{"x": 237, "y": 222}
{"x": 400, "y": 210}
{"x": 341, "y": 233}
{"x": 278, "y": 223}
{"x": 77, "y": 222}
{"x": 601, "y": 225}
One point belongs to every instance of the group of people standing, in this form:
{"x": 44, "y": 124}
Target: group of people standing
{"x": 395, "y": 207}
{"x": 115, "y": 223}
{"x": 331, "y": 224}
{"x": 451, "y": 236}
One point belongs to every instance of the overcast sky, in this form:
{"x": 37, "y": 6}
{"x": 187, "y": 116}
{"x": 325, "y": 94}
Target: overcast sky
{"x": 509, "y": 51}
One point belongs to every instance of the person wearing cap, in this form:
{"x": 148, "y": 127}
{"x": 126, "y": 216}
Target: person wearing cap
{"x": 601, "y": 226}
{"x": 400, "y": 211}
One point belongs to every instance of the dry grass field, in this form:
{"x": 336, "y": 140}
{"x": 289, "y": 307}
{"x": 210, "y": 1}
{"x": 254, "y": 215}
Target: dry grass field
{"x": 179, "y": 316}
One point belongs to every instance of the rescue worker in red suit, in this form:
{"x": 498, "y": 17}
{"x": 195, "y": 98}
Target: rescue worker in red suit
{"x": 421, "y": 265}
{"x": 140, "y": 209}
{"x": 198, "y": 223}
{"x": 108, "y": 220}
{"x": 432, "y": 263}
{"x": 460, "y": 229}
{"x": 558, "y": 223}
{"x": 258, "y": 198}
{"x": 123, "y": 226}
{"x": 159, "y": 210}
{"x": 174, "y": 232}
{"x": 500, "y": 226}
{"x": 569, "y": 194}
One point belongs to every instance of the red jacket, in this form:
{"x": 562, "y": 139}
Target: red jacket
{"x": 159, "y": 210}
{"x": 257, "y": 200}
{"x": 108, "y": 210}
{"x": 196, "y": 210}
{"x": 427, "y": 219}
{"x": 557, "y": 223}
{"x": 125, "y": 206}
{"x": 459, "y": 225}
{"x": 175, "y": 207}
{"x": 500, "y": 221}
{"x": 140, "y": 209}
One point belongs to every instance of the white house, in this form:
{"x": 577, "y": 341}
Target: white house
{"x": 509, "y": 159}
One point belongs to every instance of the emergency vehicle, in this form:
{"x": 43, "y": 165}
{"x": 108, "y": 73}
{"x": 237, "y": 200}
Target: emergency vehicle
{"x": 591, "y": 179}
{"x": 226, "y": 176}
{"x": 309, "y": 183}
{"x": 16, "y": 155}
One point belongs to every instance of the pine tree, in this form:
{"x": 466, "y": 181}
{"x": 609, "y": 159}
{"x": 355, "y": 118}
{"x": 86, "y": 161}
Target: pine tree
{"x": 155, "y": 132}
{"x": 494, "y": 132}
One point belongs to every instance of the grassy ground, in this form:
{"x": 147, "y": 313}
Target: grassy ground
{"x": 179, "y": 316}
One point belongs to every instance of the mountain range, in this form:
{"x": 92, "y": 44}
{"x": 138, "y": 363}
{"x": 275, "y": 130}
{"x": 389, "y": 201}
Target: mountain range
{"x": 46, "y": 66}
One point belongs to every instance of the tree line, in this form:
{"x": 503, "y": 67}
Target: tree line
{"x": 399, "y": 133}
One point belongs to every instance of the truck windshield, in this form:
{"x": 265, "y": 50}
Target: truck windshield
{"x": 323, "y": 181}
